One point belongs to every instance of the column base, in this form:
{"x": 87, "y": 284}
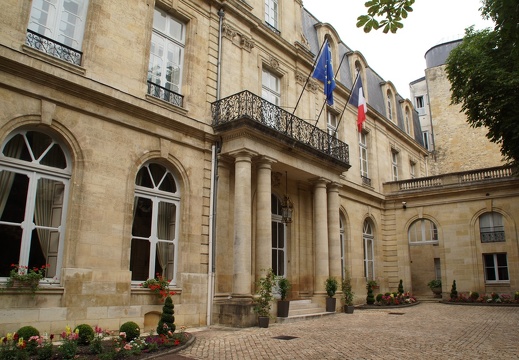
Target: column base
{"x": 235, "y": 313}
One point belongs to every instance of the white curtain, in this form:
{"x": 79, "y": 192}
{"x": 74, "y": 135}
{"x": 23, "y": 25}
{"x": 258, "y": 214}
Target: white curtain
{"x": 164, "y": 230}
{"x": 13, "y": 149}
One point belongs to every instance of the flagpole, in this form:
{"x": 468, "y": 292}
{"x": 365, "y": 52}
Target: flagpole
{"x": 347, "y": 102}
{"x": 308, "y": 78}
{"x": 322, "y": 108}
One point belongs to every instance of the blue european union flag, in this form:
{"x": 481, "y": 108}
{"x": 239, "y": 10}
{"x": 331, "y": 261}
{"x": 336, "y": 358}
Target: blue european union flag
{"x": 324, "y": 71}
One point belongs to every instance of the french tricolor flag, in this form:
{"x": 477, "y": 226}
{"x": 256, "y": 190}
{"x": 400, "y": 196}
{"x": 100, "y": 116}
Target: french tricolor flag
{"x": 357, "y": 99}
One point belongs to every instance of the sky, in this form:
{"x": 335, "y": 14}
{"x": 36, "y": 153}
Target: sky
{"x": 399, "y": 57}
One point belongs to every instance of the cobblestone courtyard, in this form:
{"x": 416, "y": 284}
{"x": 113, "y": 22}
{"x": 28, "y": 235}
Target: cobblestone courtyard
{"x": 424, "y": 331}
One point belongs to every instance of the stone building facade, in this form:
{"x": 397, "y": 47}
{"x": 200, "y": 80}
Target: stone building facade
{"x": 164, "y": 137}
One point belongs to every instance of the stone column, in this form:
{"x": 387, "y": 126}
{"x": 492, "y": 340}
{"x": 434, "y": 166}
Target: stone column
{"x": 224, "y": 239}
{"x": 264, "y": 217}
{"x": 334, "y": 245}
{"x": 242, "y": 224}
{"x": 321, "y": 235}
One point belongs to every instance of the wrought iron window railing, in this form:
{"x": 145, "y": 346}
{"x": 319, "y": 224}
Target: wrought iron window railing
{"x": 54, "y": 48}
{"x": 490, "y": 236}
{"x": 249, "y": 106}
{"x": 365, "y": 180}
{"x": 165, "y": 94}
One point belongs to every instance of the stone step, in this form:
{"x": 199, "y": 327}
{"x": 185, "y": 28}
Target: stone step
{"x": 303, "y": 310}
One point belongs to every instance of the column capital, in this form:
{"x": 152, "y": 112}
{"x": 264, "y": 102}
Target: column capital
{"x": 263, "y": 160}
{"x": 334, "y": 186}
{"x": 319, "y": 181}
{"x": 243, "y": 153}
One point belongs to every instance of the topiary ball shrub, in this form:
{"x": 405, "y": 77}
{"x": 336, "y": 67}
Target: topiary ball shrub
{"x": 131, "y": 330}
{"x": 379, "y": 297}
{"x": 85, "y": 333}
{"x": 167, "y": 319}
{"x": 26, "y": 332}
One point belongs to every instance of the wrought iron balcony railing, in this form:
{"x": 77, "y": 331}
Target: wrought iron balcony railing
{"x": 246, "y": 105}
{"x": 165, "y": 94}
{"x": 54, "y": 48}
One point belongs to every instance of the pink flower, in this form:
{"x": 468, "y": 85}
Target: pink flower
{"x": 122, "y": 334}
{"x": 127, "y": 347}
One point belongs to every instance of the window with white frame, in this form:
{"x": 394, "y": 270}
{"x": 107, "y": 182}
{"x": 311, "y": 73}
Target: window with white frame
{"x": 270, "y": 87}
{"x": 363, "y": 149}
{"x": 60, "y": 20}
{"x": 35, "y": 171}
{"x": 394, "y": 165}
{"x": 342, "y": 241}
{"x": 332, "y": 124}
{"x": 369, "y": 253}
{"x": 426, "y": 139}
{"x": 419, "y": 102}
{"x": 156, "y": 216}
{"x": 496, "y": 267}
{"x": 412, "y": 169}
{"x": 407, "y": 122}
{"x": 491, "y": 227}
{"x": 271, "y": 13}
{"x": 279, "y": 246}
{"x": 389, "y": 106}
{"x": 166, "y": 58}
{"x": 423, "y": 231}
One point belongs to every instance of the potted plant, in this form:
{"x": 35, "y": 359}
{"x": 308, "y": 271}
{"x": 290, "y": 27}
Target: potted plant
{"x": 159, "y": 285}
{"x": 331, "y": 288}
{"x": 436, "y": 287}
{"x": 373, "y": 284}
{"x": 347, "y": 293}
{"x": 264, "y": 298}
{"x": 283, "y": 303}
{"x": 26, "y": 277}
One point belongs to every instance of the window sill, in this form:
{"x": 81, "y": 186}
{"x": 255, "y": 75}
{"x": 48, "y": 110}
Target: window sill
{"x": 54, "y": 60}
{"x": 166, "y": 104}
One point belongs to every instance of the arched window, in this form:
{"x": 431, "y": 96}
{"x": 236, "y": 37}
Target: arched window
{"x": 423, "y": 231}
{"x": 389, "y": 105}
{"x": 407, "y": 122}
{"x": 491, "y": 227}
{"x": 368, "y": 239}
{"x": 279, "y": 246}
{"x": 34, "y": 184}
{"x": 156, "y": 214}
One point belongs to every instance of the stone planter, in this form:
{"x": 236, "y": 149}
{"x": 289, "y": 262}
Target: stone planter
{"x": 437, "y": 292}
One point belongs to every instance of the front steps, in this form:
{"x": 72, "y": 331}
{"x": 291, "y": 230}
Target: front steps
{"x": 303, "y": 310}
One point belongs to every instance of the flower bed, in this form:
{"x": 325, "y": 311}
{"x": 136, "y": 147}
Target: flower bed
{"x": 392, "y": 300}
{"x": 105, "y": 345}
{"x": 474, "y": 297}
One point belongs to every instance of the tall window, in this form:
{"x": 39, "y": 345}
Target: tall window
{"x": 166, "y": 58}
{"x": 426, "y": 140}
{"x": 496, "y": 267}
{"x": 419, "y": 102}
{"x": 363, "y": 150}
{"x": 389, "y": 106}
{"x": 156, "y": 215}
{"x": 34, "y": 183}
{"x": 342, "y": 240}
{"x": 423, "y": 231}
{"x": 278, "y": 238}
{"x": 407, "y": 122}
{"x": 412, "y": 169}
{"x": 491, "y": 227}
{"x": 332, "y": 124}
{"x": 270, "y": 87}
{"x": 369, "y": 254}
{"x": 394, "y": 165}
{"x": 271, "y": 13}
{"x": 61, "y": 22}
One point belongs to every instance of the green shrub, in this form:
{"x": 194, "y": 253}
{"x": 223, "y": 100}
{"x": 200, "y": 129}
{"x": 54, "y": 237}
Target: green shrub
{"x": 379, "y": 297}
{"x": 400, "y": 287}
{"x": 85, "y": 333}
{"x": 26, "y": 332}
{"x": 454, "y": 292}
{"x": 370, "y": 299}
{"x": 167, "y": 318}
{"x": 131, "y": 330}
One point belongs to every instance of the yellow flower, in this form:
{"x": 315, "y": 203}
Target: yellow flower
{"x": 9, "y": 336}
{"x": 20, "y": 342}
{"x": 68, "y": 330}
